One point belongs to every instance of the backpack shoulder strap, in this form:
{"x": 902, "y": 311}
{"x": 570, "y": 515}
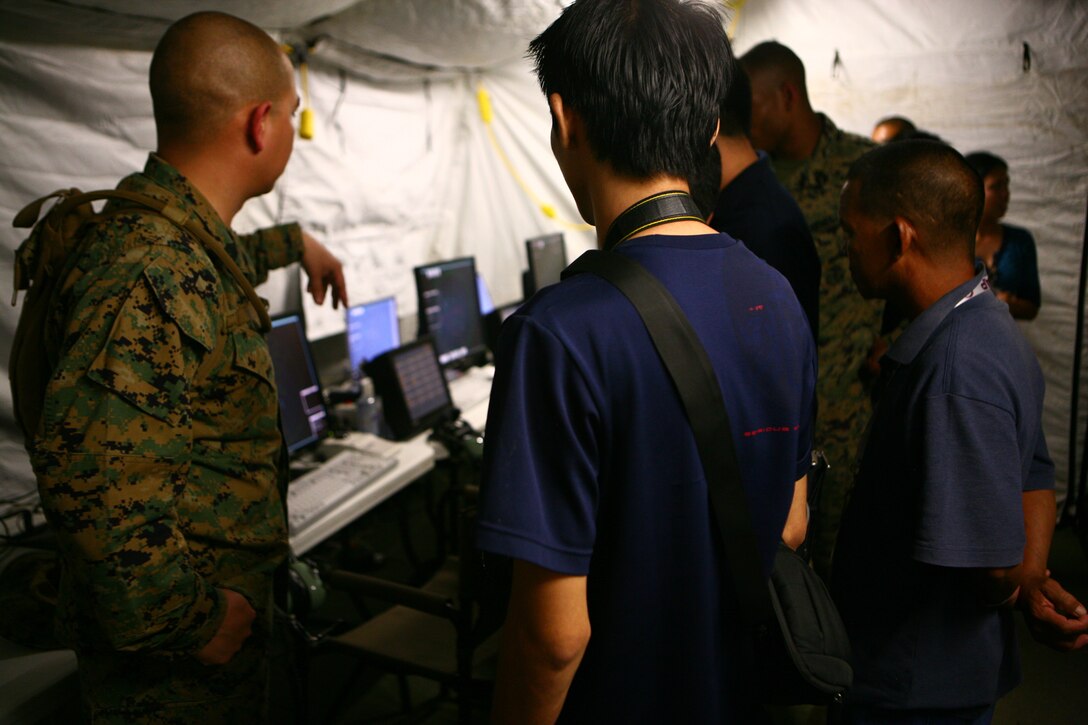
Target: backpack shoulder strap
{"x": 72, "y": 199}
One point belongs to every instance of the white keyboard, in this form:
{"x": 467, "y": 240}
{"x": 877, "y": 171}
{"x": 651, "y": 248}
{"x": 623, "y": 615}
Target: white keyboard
{"x": 311, "y": 495}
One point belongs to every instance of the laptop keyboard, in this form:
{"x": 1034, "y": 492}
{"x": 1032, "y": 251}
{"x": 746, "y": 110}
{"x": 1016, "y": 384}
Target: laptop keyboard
{"x": 470, "y": 389}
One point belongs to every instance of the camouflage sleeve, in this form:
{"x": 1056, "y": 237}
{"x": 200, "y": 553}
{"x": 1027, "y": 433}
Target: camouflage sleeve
{"x": 272, "y": 248}
{"x": 114, "y": 452}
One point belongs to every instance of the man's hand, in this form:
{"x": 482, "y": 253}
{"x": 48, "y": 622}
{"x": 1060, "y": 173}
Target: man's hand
{"x": 233, "y": 631}
{"x": 869, "y": 370}
{"x": 324, "y": 270}
{"x": 793, "y": 535}
{"x": 1053, "y": 615}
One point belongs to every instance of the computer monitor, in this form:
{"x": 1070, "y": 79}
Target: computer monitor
{"x": 412, "y": 387}
{"x": 449, "y": 310}
{"x": 547, "y": 259}
{"x": 493, "y": 322}
{"x": 486, "y": 303}
{"x": 372, "y": 328}
{"x": 303, "y": 415}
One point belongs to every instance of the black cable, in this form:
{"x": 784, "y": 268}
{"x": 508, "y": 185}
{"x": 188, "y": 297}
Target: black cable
{"x": 19, "y": 499}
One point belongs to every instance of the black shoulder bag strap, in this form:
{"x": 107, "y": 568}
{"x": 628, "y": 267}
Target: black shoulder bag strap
{"x": 693, "y": 375}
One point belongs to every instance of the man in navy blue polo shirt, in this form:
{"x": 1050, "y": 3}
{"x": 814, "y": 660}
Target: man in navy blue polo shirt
{"x": 620, "y": 609}
{"x": 931, "y": 556}
{"x": 754, "y": 207}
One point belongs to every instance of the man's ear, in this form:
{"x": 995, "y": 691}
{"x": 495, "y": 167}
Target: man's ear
{"x": 789, "y": 95}
{"x": 717, "y": 130}
{"x": 565, "y": 119}
{"x": 905, "y": 237}
{"x": 256, "y": 125}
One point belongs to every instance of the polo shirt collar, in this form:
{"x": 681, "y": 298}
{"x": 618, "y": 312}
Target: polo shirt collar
{"x": 713, "y": 240}
{"x": 918, "y": 332}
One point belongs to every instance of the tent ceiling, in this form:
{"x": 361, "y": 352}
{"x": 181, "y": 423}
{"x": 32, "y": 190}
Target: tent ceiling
{"x": 472, "y": 33}
{"x": 452, "y": 33}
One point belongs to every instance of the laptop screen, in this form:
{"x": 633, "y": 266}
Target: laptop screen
{"x": 303, "y": 415}
{"x": 372, "y": 329}
{"x": 412, "y": 387}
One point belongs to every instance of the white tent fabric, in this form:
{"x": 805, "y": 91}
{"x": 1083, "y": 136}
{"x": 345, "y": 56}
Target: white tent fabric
{"x": 404, "y": 169}
{"x": 1006, "y": 77}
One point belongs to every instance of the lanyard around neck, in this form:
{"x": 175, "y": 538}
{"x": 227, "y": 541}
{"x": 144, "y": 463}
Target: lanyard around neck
{"x": 982, "y": 286}
{"x": 661, "y": 208}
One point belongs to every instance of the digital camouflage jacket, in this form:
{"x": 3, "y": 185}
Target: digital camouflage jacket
{"x": 158, "y": 454}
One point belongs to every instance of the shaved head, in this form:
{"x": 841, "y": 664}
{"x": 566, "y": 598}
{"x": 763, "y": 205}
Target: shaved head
{"x": 775, "y": 61}
{"x": 207, "y": 67}
{"x": 891, "y": 128}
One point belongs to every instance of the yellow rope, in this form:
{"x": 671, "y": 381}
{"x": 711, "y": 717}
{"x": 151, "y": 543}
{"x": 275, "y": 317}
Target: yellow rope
{"x": 306, "y": 117}
{"x": 483, "y": 100}
{"x": 735, "y": 6}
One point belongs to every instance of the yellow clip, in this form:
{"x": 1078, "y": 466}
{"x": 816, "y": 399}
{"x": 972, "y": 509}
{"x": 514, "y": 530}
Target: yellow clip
{"x": 549, "y": 211}
{"x": 484, "y": 102}
{"x": 306, "y": 124}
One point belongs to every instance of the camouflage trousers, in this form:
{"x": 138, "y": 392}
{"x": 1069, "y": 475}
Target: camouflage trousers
{"x": 168, "y": 688}
{"x": 840, "y": 429}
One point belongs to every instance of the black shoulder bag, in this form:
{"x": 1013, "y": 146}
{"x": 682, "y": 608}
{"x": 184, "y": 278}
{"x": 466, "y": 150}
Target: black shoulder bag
{"x": 799, "y": 642}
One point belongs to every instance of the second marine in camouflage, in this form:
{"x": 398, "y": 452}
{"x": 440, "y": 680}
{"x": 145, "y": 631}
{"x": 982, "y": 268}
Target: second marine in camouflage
{"x": 811, "y": 157}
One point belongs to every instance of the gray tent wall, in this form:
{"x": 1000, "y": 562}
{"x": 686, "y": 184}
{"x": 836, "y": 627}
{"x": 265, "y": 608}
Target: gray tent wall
{"x": 403, "y": 168}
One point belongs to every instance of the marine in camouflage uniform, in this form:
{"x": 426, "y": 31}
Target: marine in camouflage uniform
{"x": 848, "y": 325}
{"x": 158, "y": 460}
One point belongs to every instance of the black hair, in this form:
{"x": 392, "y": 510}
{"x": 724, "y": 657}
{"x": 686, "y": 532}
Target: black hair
{"x": 736, "y": 107}
{"x": 927, "y": 182}
{"x": 985, "y": 163}
{"x": 646, "y": 77}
